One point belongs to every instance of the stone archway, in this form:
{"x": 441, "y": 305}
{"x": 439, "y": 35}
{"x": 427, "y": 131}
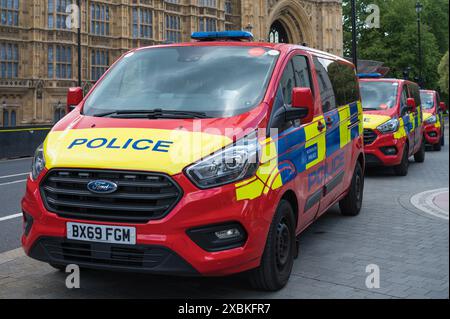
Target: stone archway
{"x": 290, "y": 17}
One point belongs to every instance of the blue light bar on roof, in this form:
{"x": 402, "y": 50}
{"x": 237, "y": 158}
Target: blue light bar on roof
{"x": 369, "y": 75}
{"x": 222, "y": 35}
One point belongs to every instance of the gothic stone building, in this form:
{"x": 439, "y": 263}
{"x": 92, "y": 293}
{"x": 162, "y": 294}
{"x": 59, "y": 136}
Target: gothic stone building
{"x": 38, "y": 52}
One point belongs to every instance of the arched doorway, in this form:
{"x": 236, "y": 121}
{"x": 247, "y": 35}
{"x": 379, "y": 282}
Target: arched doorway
{"x": 278, "y": 33}
{"x": 289, "y": 22}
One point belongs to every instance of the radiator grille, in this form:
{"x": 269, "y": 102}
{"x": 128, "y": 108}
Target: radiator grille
{"x": 140, "y": 197}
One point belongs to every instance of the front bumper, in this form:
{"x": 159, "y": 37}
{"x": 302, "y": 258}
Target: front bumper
{"x": 197, "y": 208}
{"x": 379, "y": 152}
{"x": 433, "y": 134}
{"x": 139, "y": 258}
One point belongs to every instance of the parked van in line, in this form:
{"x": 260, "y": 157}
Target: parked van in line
{"x": 204, "y": 158}
{"x": 393, "y": 122}
{"x": 433, "y": 118}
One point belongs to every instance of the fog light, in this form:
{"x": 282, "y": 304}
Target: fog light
{"x": 227, "y": 234}
{"x": 390, "y": 150}
{"x": 219, "y": 237}
{"x": 27, "y": 223}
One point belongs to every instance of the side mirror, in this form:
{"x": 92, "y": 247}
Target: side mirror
{"x": 443, "y": 106}
{"x": 302, "y": 105}
{"x": 74, "y": 97}
{"x": 411, "y": 103}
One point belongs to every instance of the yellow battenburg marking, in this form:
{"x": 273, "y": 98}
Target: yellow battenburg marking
{"x": 184, "y": 148}
{"x": 361, "y": 118}
{"x": 314, "y": 137}
{"x": 268, "y": 176}
{"x": 344, "y": 131}
{"x": 401, "y": 132}
{"x": 426, "y": 116}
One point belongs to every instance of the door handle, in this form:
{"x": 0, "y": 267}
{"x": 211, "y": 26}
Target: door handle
{"x": 329, "y": 121}
{"x": 320, "y": 126}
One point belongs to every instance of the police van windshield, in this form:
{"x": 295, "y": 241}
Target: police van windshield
{"x": 378, "y": 95}
{"x": 427, "y": 100}
{"x": 215, "y": 81}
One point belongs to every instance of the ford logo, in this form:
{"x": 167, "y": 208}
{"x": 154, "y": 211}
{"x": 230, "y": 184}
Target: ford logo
{"x": 102, "y": 187}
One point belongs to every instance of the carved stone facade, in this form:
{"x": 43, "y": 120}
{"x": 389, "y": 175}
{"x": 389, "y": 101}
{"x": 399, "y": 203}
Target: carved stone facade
{"x": 38, "y": 53}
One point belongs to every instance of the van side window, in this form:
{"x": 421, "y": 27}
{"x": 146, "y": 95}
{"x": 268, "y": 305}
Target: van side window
{"x": 287, "y": 83}
{"x": 404, "y": 102}
{"x": 302, "y": 74}
{"x": 342, "y": 80}
{"x": 325, "y": 86}
{"x": 415, "y": 93}
{"x": 345, "y": 83}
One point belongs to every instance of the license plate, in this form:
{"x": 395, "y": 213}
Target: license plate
{"x": 102, "y": 233}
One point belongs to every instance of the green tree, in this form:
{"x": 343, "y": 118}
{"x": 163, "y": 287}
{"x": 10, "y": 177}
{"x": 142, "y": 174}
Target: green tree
{"x": 443, "y": 74}
{"x": 395, "y": 42}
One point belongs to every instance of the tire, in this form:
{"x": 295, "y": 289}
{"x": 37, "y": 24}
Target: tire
{"x": 351, "y": 204}
{"x": 419, "y": 157}
{"x": 437, "y": 147}
{"x": 402, "y": 168}
{"x": 278, "y": 257}
{"x": 59, "y": 267}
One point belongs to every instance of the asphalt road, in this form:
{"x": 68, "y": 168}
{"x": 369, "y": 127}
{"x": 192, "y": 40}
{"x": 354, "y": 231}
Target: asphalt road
{"x": 13, "y": 174}
{"x": 410, "y": 247}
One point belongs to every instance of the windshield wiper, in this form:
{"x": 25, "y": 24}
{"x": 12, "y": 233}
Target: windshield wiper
{"x": 370, "y": 109}
{"x": 153, "y": 114}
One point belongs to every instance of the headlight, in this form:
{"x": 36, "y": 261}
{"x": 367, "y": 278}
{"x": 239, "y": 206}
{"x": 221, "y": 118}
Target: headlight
{"x": 390, "y": 126}
{"x": 228, "y": 165}
{"x": 38, "y": 163}
{"x": 431, "y": 120}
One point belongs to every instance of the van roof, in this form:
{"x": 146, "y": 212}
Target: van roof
{"x": 282, "y": 47}
{"x": 387, "y": 80}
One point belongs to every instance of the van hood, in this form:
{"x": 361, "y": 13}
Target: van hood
{"x": 165, "y": 146}
{"x": 372, "y": 120}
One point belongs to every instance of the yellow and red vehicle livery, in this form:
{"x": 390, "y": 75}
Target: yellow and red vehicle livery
{"x": 310, "y": 165}
{"x": 392, "y": 147}
{"x": 433, "y": 118}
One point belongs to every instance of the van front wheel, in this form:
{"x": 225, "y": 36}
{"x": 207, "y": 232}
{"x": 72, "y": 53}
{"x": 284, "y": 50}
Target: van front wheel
{"x": 278, "y": 257}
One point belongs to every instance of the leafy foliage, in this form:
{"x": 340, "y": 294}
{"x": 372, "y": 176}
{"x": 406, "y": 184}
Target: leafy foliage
{"x": 396, "y": 41}
{"x": 443, "y": 73}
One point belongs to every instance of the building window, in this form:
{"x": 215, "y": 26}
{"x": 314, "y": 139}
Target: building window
{"x": 57, "y": 15}
{"x": 9, "y": 60}
{"x": 59, "y": 62}
{"x": 99, "y": 63}
{"x": 207, "y": 24}
{"x": 13, "y": 118}
{"x": 173, "y": 28}
{"x": 99, "y": 19}
{"x": 5, "y": 118}
{"x": 207, "y": 3}
{"x": 173, "y": 1}
{"x": 9, "y": 12}
{"x": 142, "y": 23}
{"x": 228, "y": 7}
{"x": 58, "y": 113}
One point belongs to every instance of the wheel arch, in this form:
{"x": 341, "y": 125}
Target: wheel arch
{"x": 291, "y": 198}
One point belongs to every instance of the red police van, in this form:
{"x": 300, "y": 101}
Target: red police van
{"x": 393, "y": 128}
{"x": 433, "y": 118}
{"x": 203, "y": 158}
